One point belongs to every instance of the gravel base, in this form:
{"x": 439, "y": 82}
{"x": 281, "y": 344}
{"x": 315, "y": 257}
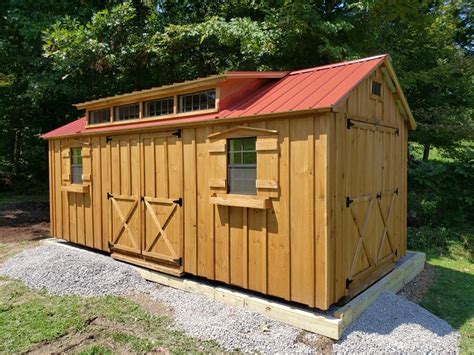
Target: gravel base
{"x": 234, "y": 328}
{"x": 67, "y": 271}
{"x": 393, "y": 324}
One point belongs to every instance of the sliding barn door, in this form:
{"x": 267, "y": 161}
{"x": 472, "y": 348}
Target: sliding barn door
{"x": 372, "y": 202}
{"x": 162, "y": 198}
{"x": 124, "y": 194}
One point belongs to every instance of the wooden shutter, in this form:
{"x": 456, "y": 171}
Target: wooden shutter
{"x": 66, "y": 165}
{"x": 267, "y": 166}
{"x": 86, "y": 164}
{"x": 217, "y": 166}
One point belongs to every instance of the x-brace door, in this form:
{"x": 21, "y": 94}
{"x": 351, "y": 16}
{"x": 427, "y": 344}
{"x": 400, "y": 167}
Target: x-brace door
{"x": 157, "y": 243}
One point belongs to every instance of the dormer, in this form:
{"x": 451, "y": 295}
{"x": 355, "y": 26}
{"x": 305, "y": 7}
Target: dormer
{"x": 197, "y": 97}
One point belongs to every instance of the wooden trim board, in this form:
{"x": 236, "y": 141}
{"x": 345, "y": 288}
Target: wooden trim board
{"x": 301, "y": 317}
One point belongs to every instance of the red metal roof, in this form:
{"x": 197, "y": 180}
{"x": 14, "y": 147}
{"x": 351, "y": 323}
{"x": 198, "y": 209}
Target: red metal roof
{"x": 312, "y": 88}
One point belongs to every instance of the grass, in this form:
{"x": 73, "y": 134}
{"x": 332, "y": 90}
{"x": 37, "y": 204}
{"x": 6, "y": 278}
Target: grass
{"x": 11, "y": 197}
{"x": 451, "y": 296}
{"x": 30, "y": 317}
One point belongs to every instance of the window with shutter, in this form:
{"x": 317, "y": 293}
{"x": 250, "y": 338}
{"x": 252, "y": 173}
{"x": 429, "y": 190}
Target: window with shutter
{"x": 243, "y": 167}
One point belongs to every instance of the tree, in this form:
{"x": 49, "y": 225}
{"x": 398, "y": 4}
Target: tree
{"x": 431, "y": 46}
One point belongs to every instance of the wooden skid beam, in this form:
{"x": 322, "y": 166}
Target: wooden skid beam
{"x": 298, "y": 317}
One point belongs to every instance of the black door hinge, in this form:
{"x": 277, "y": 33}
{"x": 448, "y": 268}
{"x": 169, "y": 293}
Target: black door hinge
{"x": 348, "y": 283}
{"x": 396, "y": 252}
{"x": 108, "y": 139}
{"x": 109, "y": 195}
{"x": 179, "y": 201}
{"x": 178, "y": 261}
{"x": 349, "y": 123}
{"x": 142, "y": 198}
{"x": 396, "y": 191}
{"x": 177, "y": 133}
{"x": 348, "y": 201}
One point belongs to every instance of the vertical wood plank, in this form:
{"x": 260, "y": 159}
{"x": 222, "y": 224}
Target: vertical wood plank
{"x": 302, "y": 210}
{"x": 278, "y": 219}
{"x": 190, "y": 206}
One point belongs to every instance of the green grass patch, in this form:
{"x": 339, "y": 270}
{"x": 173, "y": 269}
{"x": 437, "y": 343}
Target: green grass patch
{"x": 451, "y": 296}
{"x": 7, "y": 198}
{"x": 96, "y": 350}
{"x": 29, "y": 317}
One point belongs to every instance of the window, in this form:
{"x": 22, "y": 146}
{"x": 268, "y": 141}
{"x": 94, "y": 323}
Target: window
{"x": 128, "y": 112}
{"x": 76, "y": 165}
{"x": 197, "y": 101}
{"x": 376, "y": 88}
{"x": 99, "y": 116}
{"x": 242, "y": 166}
{"x": 159, "y": 107}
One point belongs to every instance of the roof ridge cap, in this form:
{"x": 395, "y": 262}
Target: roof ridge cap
{"x": 335, "y": 65}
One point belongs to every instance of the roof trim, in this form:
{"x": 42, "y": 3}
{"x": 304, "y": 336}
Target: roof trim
{"x": 398, "y": 89}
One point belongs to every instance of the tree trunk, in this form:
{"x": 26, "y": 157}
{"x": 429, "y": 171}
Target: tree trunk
{"x": 16, "y": 151}
{"x": 426, "y": 152}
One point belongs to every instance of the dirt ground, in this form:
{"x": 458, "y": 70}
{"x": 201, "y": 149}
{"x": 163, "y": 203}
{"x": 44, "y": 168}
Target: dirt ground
{"x": 24, "y": 222}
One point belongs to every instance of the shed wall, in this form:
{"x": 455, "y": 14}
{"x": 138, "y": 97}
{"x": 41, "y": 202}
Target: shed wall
{"x": 280, "y": 251}
{"x": 366, "y": 160}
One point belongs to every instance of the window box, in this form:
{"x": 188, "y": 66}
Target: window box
{"x": 78, "y": 188}
{"x": 241, "y": 201}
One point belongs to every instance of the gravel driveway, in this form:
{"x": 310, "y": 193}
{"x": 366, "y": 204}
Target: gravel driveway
{"x": 391, "y": 324}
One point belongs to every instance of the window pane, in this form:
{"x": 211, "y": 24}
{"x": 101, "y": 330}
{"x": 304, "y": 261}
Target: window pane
{"x": 76, "y": 174}
{"x": 250, "y": 158}
{"x": 376, "y": 88}
{"x": 99, "y": 116}
{"x": 242, "y": 169}
{"x": 159, "y": 107}
{"x": 248, "y": 143}
{"x": 128, "y": 112}
{"x": 235, "y": 158}
{"x": 197, "y": 101}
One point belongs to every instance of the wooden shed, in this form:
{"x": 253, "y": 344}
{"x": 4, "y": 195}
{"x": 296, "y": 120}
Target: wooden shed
{"x": 290, "y": 184}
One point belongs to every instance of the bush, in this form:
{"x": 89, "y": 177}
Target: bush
{"x": 440, "y": 193}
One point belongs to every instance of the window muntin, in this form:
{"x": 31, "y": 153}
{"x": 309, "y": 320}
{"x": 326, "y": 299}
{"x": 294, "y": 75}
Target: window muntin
{"x": 376, "y": 88}
{"x": 159, "y": 107}
{"x": 99, "y": 116}
{"x": 127, "y": 112}
{"x": 242, "y": 166}
{"x": 76, "y": 165}
{"x": 197, "y": 101}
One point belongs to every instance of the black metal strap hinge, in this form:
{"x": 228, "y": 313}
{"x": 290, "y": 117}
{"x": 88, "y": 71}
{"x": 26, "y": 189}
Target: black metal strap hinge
{"x": 179, "y": 201}
{"x": 396, "y": 252}
{"x": 349, "y": 123}
{"x": 142, "y": 198}
{"x": 109, "y": 195}
{"x": 379, "y": 195}
{"x": 108, "y": 139}
{"x": 177, "y": 133}
{"x": 348, "y": 283}
{"x": 348, "y": 201}
{"x": 178, "y": 261}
